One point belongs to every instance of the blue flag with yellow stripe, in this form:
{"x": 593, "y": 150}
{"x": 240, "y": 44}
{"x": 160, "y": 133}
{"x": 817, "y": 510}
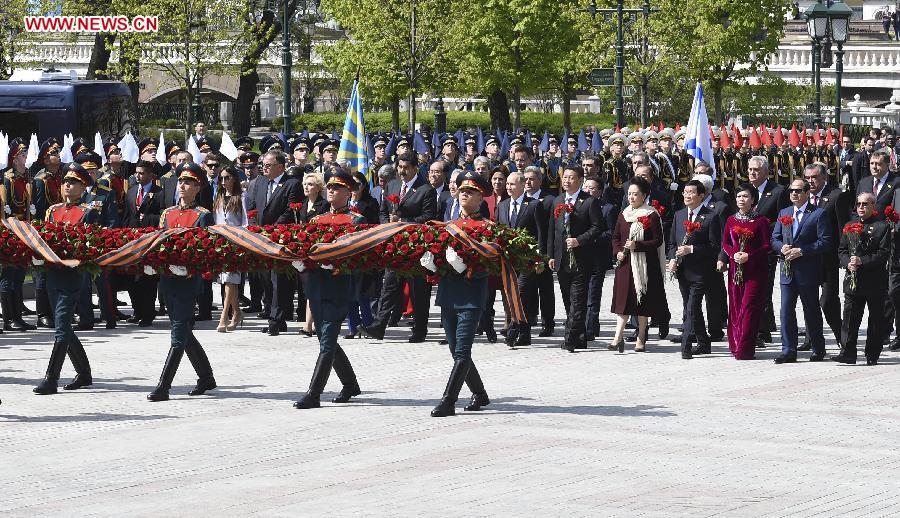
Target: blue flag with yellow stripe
{"x": 353, "y": 141}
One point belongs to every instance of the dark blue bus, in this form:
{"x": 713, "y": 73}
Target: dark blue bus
{"x": 53, "y": 108}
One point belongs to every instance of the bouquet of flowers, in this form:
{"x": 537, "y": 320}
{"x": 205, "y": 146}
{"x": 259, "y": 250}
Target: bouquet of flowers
{"x": 660, "y": 209}
{"x": 787, "y": 233}
{"x": 854, "y": 232}
{"x": 395, "y": 202}
{"x": 251, "y": 215}
{"x": 743, "y": 234}
{"x": 632, "y": 235}
{"x": 689, "y": 228}
{"x": 296, "y": 207}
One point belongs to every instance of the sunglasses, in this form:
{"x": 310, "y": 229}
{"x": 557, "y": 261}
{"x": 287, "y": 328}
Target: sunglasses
{"x": 212, "y": 165}
{"x": 796, "y": 191}
{"x": 863, "y": 203}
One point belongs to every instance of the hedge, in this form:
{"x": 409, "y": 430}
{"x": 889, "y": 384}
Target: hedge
{"x": 381, "y": 121}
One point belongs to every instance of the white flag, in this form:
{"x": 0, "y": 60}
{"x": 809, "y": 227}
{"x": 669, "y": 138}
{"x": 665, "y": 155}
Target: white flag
{"x": 194, "y": 150}
{"x": 129, "y": 148}
{"x": 33, "y": 148}
{"x": 65, "y": 154}
{"x": 227, "y": 148}
{"x": 4, "y": 150}
{"x": 98, "y": 148}
{"x": 696, "y": 140}
{"x": 161, "y": 150}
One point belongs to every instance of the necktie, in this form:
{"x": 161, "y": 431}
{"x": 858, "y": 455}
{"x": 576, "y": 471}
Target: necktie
{"x": 691, "y": 215}
{"x": 140, "y": 197}
{"x": 402, "y": 193}
{"x": 815, "y": 200}
{"x": 876, "y": 187}
{"x": 515, "y": 214}
{"x": 454, "y": 212}
{"x": 568, "y": 202}
{"x": 796, "y": 224}
{"x": 269, "y": 190}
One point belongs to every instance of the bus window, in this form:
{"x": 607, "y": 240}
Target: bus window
{"x": 111, "y": 116}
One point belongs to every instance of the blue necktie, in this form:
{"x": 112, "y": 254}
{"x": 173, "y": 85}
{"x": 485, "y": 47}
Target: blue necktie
{"x": 796, "y": 225}
{"x": 454, "y": 212}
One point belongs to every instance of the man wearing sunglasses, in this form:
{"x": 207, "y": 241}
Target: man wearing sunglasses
{"x": 801, "y": 241}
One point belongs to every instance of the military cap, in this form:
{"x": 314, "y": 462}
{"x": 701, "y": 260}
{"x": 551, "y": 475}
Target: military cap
{"x": 680, "y": 134}
{"x": 300, "y": 143}
{"x": 111, "y": 146}
{"x": 271, "y": 142}
{"x": 89, "y": 160}
{"x": 341, "y": 178}
{"x": 16, "y": 146}
{"x": 473, "y": 180}
{"x": 470, "y": 139}
{"x": 78, "y": 173}
{"x": 616, "y": 137}
{"x": 78, "y": 145}
{"x": 191, "y": 171}
{"x": 716, "y": 131}
{"x": 552, "y": 139}
{"x": 48, "y": 147}
{"x": 635, "y": 136}
{"x": 651, "y": 135}
{"x": 244, "y": 143}
{"x": 606, "y": 132}
{"x": 667, "y": 134}
{"x": 147, "y": 145}
{"x": 172, "y": 147}
{"x": 379, "y": 141}
{"x": 248, "y": 160}
{"x": 492, "y": 139}
{"x": 745, "y": 133}
{"x": 405, "y": 140}
{"x": 626, "y": 131}
{"x": 573, "y": 139}
{"x": 206, "y": 144}
{"x": 332, "y": 144}
{"x": 449, "y": 139}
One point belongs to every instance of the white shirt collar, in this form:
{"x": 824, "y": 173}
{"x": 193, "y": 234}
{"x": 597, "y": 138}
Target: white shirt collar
{"x": 762, "y": 187}
{"x": 574, "y": 196}
{"x": 802, "y": 208}
{"x": 518, "y": 200}
{"x": 706, "y": 200}
{"x": 409, "y": 184}
{"x": 277, "y": 179}
{"x": 536, "y": 195}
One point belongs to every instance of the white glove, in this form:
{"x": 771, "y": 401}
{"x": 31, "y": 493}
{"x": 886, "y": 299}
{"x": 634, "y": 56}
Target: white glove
{"x": 35, "y": 261}
{"x": 455, "y": 260}
{"x": 326, "y": 266}
{"x": 148, "y": 270}
{"x": 32, "y": 209}
{"x": 673, "y": 186}
{"x": 180, "y": 271}
{"x": 427, "y": 261}
{"x": 298, "y": 265}
{"x": 6, "y": 209}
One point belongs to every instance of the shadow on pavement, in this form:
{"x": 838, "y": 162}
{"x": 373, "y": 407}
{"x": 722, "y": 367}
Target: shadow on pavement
{"x": 93, "y": 416}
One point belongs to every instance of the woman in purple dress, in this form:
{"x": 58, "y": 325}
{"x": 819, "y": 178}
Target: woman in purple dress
{"x": 746, "y": 243}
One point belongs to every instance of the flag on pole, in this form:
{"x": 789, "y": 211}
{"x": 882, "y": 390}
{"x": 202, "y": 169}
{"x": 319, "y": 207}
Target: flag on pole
{"x": 697, "y": 141}
{"x": 353, "y": 141}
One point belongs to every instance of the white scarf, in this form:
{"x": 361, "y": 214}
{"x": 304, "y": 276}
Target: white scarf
{"x": 639, "y": 259}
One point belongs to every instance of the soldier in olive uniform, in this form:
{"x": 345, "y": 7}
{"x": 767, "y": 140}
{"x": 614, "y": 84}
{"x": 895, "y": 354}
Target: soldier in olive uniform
{"x": 64, "y": 284}
{"x": 461, "y": 297}
{"x": 16, "y": 200}
{"x": 329, "y": 297}
{"x": 181, "y": 292}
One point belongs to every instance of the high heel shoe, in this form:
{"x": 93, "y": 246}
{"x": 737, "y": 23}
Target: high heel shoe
{"x": 640, "y": 347}
{"x": 222, "y": 329}
{"x": 616, "y": 346}
{"x": 237, "y": 322}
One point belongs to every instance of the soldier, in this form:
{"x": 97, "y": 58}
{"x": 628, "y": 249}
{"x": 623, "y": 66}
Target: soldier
{"x": 115, "y": 177}
{"x": 667, "y": 158}
{"x": 329, "y": 294}
{"x": 244, "y": 144}
{"x": 551, "y": 166}
{"x": 64, "y": 284}
{"x": 492, "y": 150}
{"x": 329, "y": 154}
{"x": 462, "y": 298}
{"x": 172, "y": 150}
{"x": 147, "y": 149}
{"x": 471, "y": 153}
{"x": 450, "y": 150}
{"x": 685, "y": 159}
{"x": 300, "y": 153}
{"x": 47, "y": 189}
{"x": 181, "y": 292}
{"x": 379, "y": 144}
{"x": 16, "y": 200}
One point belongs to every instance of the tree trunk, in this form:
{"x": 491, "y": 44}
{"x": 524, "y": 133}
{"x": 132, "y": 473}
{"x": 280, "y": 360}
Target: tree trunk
{"x": 395, "y": 114}
{"x": 243, "y": 105}
{"x": 97, "y": 68}
{"x": 517, "y": 107}
{"x": 499, "y": 108}
{"x": 567, "y": 101}
{"x": 645, "y": 90}
{"x": 717, "y": 101}
{"x": 411, "y": 111}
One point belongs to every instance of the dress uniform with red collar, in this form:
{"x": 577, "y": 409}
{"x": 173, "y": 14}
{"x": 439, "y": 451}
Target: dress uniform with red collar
{"x": 329, "y": 294}
{"x": 180, "y": 294}
{"x": 47, "y": 191}
{"x": 462, "y": 298}
{"x": 63, "y": 287}
{"x": 15, "y": 202}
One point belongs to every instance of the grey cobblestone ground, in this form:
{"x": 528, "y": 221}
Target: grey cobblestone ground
{"x": 588, "y": 434}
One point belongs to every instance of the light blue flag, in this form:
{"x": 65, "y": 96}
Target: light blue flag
{"x": 696, "y": 141}
{"x": 353, "y": 141}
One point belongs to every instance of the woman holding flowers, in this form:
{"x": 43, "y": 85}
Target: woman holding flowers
{"x": 746, "y": 243}
{"x": 637, "y": 243}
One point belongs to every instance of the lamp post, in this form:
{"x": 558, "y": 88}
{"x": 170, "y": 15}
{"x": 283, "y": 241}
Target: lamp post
{"x": 817, "y": 28}
{"x": 286, "y": 68}
{"x": 839, "y": 14}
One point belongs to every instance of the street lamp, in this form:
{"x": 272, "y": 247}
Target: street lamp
{"x": 839, "y": 14}
{"x": 817, "y": 27}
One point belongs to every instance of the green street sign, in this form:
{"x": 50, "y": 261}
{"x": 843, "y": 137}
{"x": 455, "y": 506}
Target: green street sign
{"x": 628, "y": 90}
{"x": 602, "y": 77}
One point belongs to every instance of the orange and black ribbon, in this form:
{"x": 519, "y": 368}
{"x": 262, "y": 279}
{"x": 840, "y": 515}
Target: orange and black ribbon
{"x": 33, "y": 240}
{"x": 133, "y": 251}
{"x": 355, "y": 242}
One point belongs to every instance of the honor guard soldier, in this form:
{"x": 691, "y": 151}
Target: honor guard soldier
{"x": 551, "y": 166}
{"x": 685, "y": 159}
{"x": 271, "y": 142}
{"x": 64, "y": 284}
{"x": 147, "y": 149}
{"x": 115, "y": 177}
{"x": 300, "y": 153}
{"x": 492, "y": 150}
{"x": 16, "y": 200}
{"x": 471, "y": 153}
{"x": 181, "y": 292}
{"x": 615, "y": 167}
{"x": 329, "y": 154}
{"x": 668, "y": 160}
{"x": 379, "y": 144}
{"x": 450, "y": 151}
{"x": 78, "y": 147}
{"x": 47, "y": 190}
{"x": 329, "y": 294}
{"x": 462, "y": 297}
{"x": 172, "y": 149}
{"x": 244, "y": 144}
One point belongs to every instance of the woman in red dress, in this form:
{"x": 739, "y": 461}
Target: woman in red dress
{"x": 746, "y": 292}
{"x": 638, "y": 247}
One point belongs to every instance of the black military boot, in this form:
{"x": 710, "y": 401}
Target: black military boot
{"x": 82, "y": 366}
{"x": 161, "y": 392}
{"x": 479, "y": 395}
{"x": 57, "y": 357}
{"x": 200, "y": 362}
{"x": 319, "y": 378}
{"x": 19, "y": 308}
{"x": 447, "y": 406}
{"x": 6, "y": 307}
{"x": 344, "y": 371}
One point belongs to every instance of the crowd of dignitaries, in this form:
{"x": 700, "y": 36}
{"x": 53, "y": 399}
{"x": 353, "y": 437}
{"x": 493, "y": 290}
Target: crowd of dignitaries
{"x": 638, "y": 207}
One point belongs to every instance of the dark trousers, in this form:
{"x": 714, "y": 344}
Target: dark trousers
{"x": 143, "y": 296}
{"x": 891, "y": 303}
{"x": 694, "y": 326}
{"x": 63, "y": 287}
{"x": 282, "y": 298}
{"x": 257, "y": 289}
{"x": 204, "y": 301}
{"x": 547, "y": 295}
{"x": 768, "y": 318}
{"x": 812, "y": 313}
{"x": 574, "y": 288}
{"x": 419, "y": 293}
{"x": 831, "y": 301}
{"x": 595, "y": 292}
{"x": 716, "y": 304}
{"x": 459, "y": 328}
{"x": 11, "y": 279}
{"x": 854, "y": 303}
{"x": 181, "y": 295}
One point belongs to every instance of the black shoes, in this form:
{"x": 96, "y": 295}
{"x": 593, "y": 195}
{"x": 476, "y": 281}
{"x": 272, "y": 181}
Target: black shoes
{"x": 447, "y": 406}
{"x": 203, "y": 384}
{"x": 161, "y": 392}
{"x": 418, "y": 338}
{"x": 663, "y": 331}
{"x": 844, "y": 359}
{"x": 477, "y": 401}
{"x": 346, "y": 393}
{"x": 80, "y": 380}
{"x": 817, "y": 357}
{"x": 871, "y": 361}
{"x": 376, "y": 332}
{"x": 701, "y": 349}
{"x": 308, "y": 401}
{"x": 546, "y": 331}
{"x": 785, "y": 359}
{"x": 491, "y": 335}
{"x": 895, "y": 345}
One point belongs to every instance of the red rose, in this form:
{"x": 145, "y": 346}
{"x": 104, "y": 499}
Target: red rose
{"x": 786, "y": 221}
{"x": 428, "y": 237}
{"x": 207, "y": 276}
{"x": 393, "y": 198}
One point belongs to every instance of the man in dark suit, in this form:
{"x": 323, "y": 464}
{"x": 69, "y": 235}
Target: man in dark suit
{"x": 881, "y": 182}
{"x": 572, "y": 241}
{"x": 859, "y": 167}
{"x": 697, "y": 254}
{"x": 720, "y": 203}
{"x": 546, "y": 289}
{"x": 802, "y": 244}
{"x": 837, "y": 206}
{"x": 523, "y": 212}
{"x": 772, "y": 198}
{"x": 846, "y": 153}
{"x": 143, "y": 205}
{"x": 865, "y": 259}
{"x": 418, "y": 204}
{"x": 438, "y": 171}
{"x": 609, "y": 211}
{"x": 273, "y": 197}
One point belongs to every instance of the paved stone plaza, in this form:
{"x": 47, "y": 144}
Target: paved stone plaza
{"x": 588, "y": 434}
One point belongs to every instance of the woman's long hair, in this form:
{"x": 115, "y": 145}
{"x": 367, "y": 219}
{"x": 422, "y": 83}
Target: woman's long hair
{"x": 234, "y": 205}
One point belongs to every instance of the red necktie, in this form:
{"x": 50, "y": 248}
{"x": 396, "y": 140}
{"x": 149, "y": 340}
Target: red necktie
{"x": 140, "y": 197}
{"x": 402, "y": 193}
